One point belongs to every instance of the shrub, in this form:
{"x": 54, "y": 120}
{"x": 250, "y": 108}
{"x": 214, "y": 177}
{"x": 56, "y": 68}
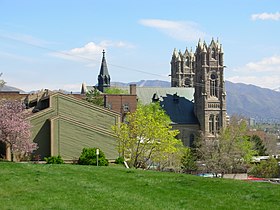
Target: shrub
{"x": 54, "y": 160}
{"x": 119, "y": 160}
{"x": 88, "y": 157}
{"x": 266, "y": 169}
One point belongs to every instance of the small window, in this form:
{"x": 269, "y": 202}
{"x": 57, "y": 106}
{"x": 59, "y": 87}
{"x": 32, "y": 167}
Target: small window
{"x": 126, "y": 107}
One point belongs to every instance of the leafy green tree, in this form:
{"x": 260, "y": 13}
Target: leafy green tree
{"x": 146, "y": 137}
{"x": 188, "y": 161}
{"x": 94, "y": 96}
{"x": 229, "y": 152}
{"x": 266, "y": 169}
{"x": 115, "y": 91}
{"x": 258, "y": 145}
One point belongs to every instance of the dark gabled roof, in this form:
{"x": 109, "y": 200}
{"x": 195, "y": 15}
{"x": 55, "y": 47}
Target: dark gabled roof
{"x": 177, "y": 102}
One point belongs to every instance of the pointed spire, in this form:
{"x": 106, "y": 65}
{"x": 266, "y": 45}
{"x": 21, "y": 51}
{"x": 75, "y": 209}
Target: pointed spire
{"x": 84, "y": 88}
{"x": 221, "y": 48}
{"x": 103, "y": 77}
{"x": 103, "y": 68}
{"x": 186, "y": 52}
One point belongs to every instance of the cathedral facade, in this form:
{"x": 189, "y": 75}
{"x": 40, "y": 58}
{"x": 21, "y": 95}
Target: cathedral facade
{"x": 203, "y": 70}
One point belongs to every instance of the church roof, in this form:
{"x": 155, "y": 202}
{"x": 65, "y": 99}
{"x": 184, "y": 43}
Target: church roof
{"x": 177, "y": 102}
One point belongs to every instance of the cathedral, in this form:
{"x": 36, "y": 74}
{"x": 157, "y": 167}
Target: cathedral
{"x": 196, "y": 100}
{"x": 203, "y": 70}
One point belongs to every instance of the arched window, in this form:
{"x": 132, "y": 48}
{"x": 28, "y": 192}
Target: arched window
{"x": 217, "y": 123}
{"x": 213, "y": 85}
{"x": 213, "y": 53}
{"x": 211, "y": 124}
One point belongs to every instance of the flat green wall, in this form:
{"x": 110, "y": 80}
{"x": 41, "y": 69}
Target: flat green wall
{"x": 71, "y": 138}
{"x": 73, "y": 124}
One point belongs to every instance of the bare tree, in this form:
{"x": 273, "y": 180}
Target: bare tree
{"x": 228, "y": 152}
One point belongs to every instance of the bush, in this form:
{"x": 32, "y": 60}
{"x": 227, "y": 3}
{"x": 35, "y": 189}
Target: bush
{"x": 119, "y": 160}
{"x": 88, "y": 157}
{"x": 266, "y": 169}
{"x": 54, "y": 160}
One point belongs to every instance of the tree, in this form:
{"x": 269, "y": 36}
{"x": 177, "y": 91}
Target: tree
{"x": 94, "y": 96}
{"x": 14, "y": 129}
{"x": 229, "y": 152}
{"x": 115, "y": 91}
{"x": 188, "y": 161}
{"x": 266, "y": 168}
{"x": 258, "y": 145}
{"x": 146, "y": 137}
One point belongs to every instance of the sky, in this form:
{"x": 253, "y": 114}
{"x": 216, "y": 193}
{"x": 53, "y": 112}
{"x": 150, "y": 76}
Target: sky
{"x": 58, "y": 44}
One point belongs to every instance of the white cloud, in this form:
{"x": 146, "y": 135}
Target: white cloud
{"x": 269, "y": 65}
{"x": 181, "y": 30}
{"x": 270, "y": 82}
{"x": 90, "y": 51}
{"x": 266, "y": 16}
{"x": 263, "y": 73}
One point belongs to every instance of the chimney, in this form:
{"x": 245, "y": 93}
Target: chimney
{"x": 132, "y": 89}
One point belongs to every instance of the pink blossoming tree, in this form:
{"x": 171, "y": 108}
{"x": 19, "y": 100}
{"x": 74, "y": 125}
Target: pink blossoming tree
{"x": 15, "y": 130}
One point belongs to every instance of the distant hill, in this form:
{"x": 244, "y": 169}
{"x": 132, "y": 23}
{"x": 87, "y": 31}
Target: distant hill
{"x": 252, "y": 101}
{"x": 7, "y": 88}
{"x": 144, "y": 83}
{"x": 246, "y": 100}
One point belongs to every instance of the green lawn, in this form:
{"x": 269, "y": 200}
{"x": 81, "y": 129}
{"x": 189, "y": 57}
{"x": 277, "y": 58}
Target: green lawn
{"x": 38, "y": 186}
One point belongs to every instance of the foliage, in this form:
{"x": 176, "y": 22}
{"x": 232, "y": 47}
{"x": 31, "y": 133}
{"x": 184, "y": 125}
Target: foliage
{"x": 54, "y": 160}
{"x": 146, "y": 137}
{"x": 76, "y": 187}
{"x": 266, "y": 169}
{"x": 188, "y": 161}
{"x": 15, "y": 130}
{"x": 2, "y": 82}
{"x": 115, "y": 91}
{"x": 258, "y": 145}
{"x": 94, "y": 96}
{"x": 89, "y": 157}
{"x": 229, "y": 152}
{"x": 119, "y": 160}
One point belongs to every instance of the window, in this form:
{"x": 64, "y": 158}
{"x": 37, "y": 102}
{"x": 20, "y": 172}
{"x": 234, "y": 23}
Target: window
{"x": 213, "y": 85}
{"x": 217, "y": 122}
{"x": 211, "y": 124}
{"x": 126, "y": 107}
{"x": 213, "y": 53}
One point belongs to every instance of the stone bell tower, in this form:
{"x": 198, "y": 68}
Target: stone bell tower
{"x": 209, "y": 96}
{"x": 182, "y": 69}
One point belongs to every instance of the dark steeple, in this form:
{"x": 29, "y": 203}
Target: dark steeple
{"x": 103, "y": 77}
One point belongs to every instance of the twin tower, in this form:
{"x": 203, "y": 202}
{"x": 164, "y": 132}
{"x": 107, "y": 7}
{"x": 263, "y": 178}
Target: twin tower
{"x": 204, "y": 71}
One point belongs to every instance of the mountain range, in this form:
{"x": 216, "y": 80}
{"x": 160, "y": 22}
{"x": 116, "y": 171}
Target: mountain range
{"x": 246, "y": 100}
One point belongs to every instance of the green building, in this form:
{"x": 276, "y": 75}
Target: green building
{"x": 64, "y": 125}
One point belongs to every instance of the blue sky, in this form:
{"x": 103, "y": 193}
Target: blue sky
{"x": 58, "y": 44}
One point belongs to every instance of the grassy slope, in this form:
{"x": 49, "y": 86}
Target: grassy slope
{"x": 34, "y": 186}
